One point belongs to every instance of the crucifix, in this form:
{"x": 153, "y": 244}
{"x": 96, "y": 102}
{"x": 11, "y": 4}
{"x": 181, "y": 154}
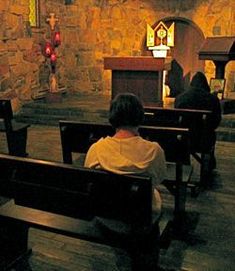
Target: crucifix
{"x": 52, "y": 21}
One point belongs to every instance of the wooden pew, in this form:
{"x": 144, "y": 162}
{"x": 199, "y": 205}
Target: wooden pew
{"x": 16, "y": 132}
{"x": 67, "y": 200}
{"x": 199, "y": 124}
{"x": 77, "y": 137}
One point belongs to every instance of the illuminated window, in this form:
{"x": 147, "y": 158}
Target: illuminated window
{"x": 34, "y": 13}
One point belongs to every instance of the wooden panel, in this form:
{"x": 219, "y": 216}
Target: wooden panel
{"x": 137, "y": 63}
{"x": 142, "y": 76}
{"x": 145, "y": 84}
{"x": 218, "y": 48}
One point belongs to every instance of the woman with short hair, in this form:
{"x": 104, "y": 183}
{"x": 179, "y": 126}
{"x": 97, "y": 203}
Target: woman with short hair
{"x": 127, "y": 152}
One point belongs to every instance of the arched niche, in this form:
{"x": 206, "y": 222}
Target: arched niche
{"x": 188, "y": 41}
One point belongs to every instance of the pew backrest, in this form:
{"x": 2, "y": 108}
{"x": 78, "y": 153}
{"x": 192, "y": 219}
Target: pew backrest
{"x": 79, "y": 136}
{"x": 199, "y": 123}
{"x": 174, "y": 141}
{"x": 76, "y": 192}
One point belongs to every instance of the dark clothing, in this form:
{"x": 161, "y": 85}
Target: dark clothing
{"x": 196, "y": 98}
{"x": 201, "y": 99}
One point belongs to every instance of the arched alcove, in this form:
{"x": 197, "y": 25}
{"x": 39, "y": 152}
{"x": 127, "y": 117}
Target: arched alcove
{"x": 188, "y": 41}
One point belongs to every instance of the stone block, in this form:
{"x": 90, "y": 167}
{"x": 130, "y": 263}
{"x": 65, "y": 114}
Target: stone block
{"x": 6, "y": 84}
{"x": 19, "y": 9}
{"x": 3, "y": 46}
{"x": 228, "y": 106}
{"x": 4, "y": 69}
{"x": 12, "y": 20}
{"x": 95, "y": 74}
{"x": 72, "y": 21}
{"x": 85, "y": 59}
{"x": 25, "y": 43}
{"x": 23, "y": 68}
{"x": 3, "y": 5}
{"x": 11, "y": 45}
{"x": 15, "y": 58}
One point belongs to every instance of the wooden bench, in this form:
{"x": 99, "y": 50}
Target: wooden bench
{"x": 199, "y": 124}
{"x": 77, "y": 137}
{"x": 67, "y": 200}
{"x": 16, "y": 132}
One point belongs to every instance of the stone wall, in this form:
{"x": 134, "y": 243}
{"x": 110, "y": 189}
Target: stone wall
{"x": 91, "y": 30}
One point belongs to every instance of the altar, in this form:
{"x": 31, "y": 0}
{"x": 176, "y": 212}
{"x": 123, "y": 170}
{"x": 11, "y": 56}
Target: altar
{"x": 142, "y": 75}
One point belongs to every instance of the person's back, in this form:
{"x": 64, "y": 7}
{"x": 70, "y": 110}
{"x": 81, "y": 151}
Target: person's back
{"x": 126, "y": 152}
{"x": 198, "y": 96}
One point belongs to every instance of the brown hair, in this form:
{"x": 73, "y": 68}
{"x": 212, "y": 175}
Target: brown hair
{"x": 126, "y": 110}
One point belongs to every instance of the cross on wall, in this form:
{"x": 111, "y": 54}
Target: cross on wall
{"x": 52, "y": 20}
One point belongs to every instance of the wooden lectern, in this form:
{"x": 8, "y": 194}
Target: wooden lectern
{"x": 142, "y": 76}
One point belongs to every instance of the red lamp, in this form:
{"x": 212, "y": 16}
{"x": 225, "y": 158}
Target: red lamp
{"x": 53, "y": 62}
{"x": 48, "y": 49}
{"x": 56, "y": 39}
{"x": 53, "y": 58}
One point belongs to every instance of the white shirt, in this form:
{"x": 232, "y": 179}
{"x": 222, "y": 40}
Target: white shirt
{"x": 132, "y": 155}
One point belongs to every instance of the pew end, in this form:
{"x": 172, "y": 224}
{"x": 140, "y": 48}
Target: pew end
{"x": 16, "y": 132}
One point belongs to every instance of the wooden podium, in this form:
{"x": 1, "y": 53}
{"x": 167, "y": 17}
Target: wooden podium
{"x": 142, "y": 76}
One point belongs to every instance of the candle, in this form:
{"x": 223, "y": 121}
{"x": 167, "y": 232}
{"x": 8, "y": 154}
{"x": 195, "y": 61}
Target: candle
{"x": 48, "y": 49}
{"x": 57, "y": 40}
{"x": 53, "y": 57}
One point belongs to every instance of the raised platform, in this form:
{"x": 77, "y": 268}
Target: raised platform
{"x": 82, "y": 107}
{"x": 228, "y": 106}
{"x": 93, "y": 107}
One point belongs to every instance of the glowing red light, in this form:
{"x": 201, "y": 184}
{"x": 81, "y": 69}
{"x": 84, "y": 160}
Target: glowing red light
{"x": 48, "y": 49}
{"x": 57, "y": 39}
{"x": 53, "y": 57}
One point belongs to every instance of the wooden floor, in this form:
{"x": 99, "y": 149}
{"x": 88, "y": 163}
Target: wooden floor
{"x": 208, "y": 246}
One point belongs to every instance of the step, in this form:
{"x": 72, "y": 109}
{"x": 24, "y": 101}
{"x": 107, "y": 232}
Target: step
{"x": 228, "y": 121}
{"x": 93, "y": 108}
{"x": 228, "y": 106}
{"x": 54, "y": 119}
{"x": 225, "y": 134}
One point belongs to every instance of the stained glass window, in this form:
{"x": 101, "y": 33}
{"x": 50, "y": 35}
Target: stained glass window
{"x": 34, "y": 13}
